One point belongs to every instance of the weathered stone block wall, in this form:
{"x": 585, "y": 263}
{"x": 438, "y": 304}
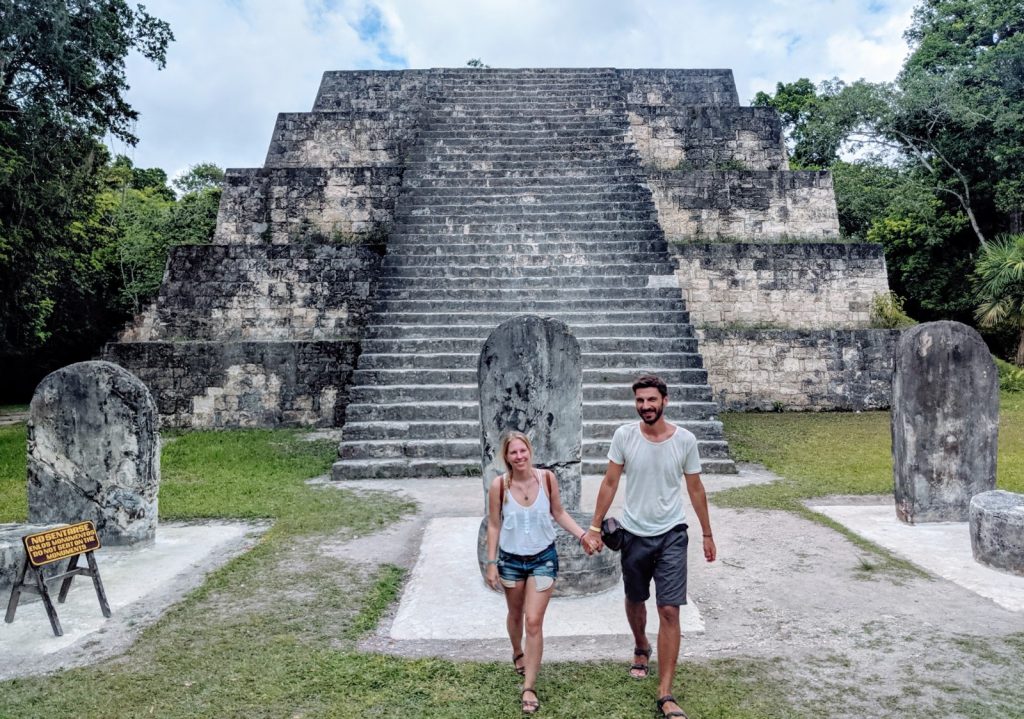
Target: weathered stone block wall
{"x": 260, "y": 292}
{"x": 744, "y": 206}
{"x": 373, "y": 90}
{"x": 243, "y": 384}
{"x": 705, "y": 137}
{"x": 799, "y": 285}
{"x": 283, "y": 205}
{"x": 677, "y": 88}
{"x": 337, "y": 139}
{"x": 799, "y": 369}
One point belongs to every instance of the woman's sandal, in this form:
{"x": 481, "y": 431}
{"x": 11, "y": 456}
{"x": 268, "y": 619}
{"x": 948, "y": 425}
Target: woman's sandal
{"x": 530, "y": 706}
{"x": 520, "y": 670}
{"x": 644, "y": 668}
{"x": 665, "y": 700}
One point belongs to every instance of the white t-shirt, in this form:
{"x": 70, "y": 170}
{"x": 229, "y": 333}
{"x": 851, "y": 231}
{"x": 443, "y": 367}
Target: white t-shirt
{"x": 654, "y": 477}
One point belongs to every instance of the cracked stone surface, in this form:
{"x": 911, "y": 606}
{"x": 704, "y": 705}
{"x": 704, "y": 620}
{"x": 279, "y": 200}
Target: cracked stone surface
{"x": 94, "y": 452}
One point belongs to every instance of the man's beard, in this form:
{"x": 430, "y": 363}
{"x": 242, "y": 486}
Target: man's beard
{"x": 657, "y": 415}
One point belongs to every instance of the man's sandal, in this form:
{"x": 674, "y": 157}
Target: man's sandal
{"x": 530, "y": 706}
{"x": 520, "y": 670}
{"x": 679, "y": 714}
{"x": 644, "y": 669}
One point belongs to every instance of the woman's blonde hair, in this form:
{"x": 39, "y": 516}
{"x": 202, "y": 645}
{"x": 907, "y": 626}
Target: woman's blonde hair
{"x": 506, "y": 440}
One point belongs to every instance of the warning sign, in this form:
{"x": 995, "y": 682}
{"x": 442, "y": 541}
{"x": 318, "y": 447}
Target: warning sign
{"x": 56, "y": 544}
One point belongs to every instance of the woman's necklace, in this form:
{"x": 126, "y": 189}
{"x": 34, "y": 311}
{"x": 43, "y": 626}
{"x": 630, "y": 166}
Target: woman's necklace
{"x": 526, "y": 489}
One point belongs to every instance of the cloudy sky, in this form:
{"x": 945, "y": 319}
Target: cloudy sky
{"x": 236, "y": 63}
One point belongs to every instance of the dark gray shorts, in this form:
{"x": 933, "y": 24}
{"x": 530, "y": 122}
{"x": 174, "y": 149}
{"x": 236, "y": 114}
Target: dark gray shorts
{"x": 662, "y": 558}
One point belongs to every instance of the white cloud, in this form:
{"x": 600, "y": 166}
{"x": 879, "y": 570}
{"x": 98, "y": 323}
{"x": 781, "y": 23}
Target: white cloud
{"x": 237, "y": 63}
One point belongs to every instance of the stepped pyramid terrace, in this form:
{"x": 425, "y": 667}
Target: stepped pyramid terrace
{"x": 354, "y": 277}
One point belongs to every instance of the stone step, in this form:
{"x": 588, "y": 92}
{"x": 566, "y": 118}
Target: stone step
{"x": 381, "y": 324}
{"x": 464, "y": 360}
{"x": 643, "y": 310}
{"x": 594, "y": 260}
{"x": 478, "y": 182}
{"x": 481, "y": 331}
{"x": 593, "y": 430}
{"x": 484, "y": 153}
{"x": 469, "y": 448}
{"x": 611, "y": 377}
{"x": 594, "y": 248}
{"x": 458, "y": 345}
{"x": 524, "y": 225}
{"x": 509, "y": 282}
{"x": 519, "y": 164}
{"x": 539, "y": 208}
{"x": 446, "y": 410}
{"x": 541, "y": 135}
{"x": 482, "y": 219}
{"x": 525, "y": 297}
{"x": 610, "y": 234}
{"x": 441, "y": 199}
{"x": 472, "y": 105}
{"x": 514, "y": 273}
{"x": 414, "y": 393}
{"x": 433, "y": 468}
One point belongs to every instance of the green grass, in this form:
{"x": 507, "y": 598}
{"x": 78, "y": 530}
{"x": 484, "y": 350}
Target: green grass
{"x": 819, "y": 454}
{"x": 13, "y": 491}
{"x": 273, "y": 633}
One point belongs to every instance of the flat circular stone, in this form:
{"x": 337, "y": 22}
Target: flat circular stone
{"x": 997, "y": 530}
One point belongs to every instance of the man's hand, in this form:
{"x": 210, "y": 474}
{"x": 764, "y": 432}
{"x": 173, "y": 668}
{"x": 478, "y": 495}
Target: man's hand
{"x": 710, "y": 551}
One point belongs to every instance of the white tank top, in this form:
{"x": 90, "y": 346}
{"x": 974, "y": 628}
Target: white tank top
{"x": 527, "y": 530}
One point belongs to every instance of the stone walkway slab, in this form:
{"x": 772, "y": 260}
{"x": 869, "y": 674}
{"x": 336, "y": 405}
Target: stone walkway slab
{"x": 140, "y": 583}
{"x": 941, "y": 548}
{"x": 446, "y": 598}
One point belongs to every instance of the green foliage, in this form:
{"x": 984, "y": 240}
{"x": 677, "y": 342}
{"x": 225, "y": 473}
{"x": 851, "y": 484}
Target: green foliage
{"x": 887, "y": 312}
{"x": 204, "y": 176}
{"x": 477, "y": 63}
{"x": 1011, "y": 377}
{"x": 815, "y": 132}
{"x": 62, "y": 86}
{"x": 999, "y": 284}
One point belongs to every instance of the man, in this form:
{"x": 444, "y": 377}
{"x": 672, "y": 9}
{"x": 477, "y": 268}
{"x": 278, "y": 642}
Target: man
{"x": 655, "y": 456}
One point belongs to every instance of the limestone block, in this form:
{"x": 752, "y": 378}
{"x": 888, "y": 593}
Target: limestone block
{"x": 997, "y": 529}
{"x": 94, "y": 452}
{"x": 531, "y": 380}
{"x": 945, "y": 420}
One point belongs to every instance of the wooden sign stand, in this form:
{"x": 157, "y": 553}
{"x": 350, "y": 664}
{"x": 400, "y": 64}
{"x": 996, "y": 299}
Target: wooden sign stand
{"x": 52, "y": 546}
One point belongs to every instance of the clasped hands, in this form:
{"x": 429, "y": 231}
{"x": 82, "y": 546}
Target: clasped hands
{"x": 591, "y": 542}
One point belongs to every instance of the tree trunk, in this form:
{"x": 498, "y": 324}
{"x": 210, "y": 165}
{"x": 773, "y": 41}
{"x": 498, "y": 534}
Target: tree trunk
{"x": 1020, "y": 349}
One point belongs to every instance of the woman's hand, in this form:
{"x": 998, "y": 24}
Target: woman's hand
{"x": 492, "y": 577}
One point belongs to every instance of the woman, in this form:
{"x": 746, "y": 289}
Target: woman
{"x": 521, "y": 553}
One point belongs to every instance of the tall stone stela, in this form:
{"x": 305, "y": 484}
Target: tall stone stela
{"x": 94, "y": 452}
{"x": 531, "y": 380}
{"x": 945, "y": 422}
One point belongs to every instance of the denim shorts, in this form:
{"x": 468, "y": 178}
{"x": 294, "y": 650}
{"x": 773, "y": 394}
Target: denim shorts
{"x": 516, "y": 567}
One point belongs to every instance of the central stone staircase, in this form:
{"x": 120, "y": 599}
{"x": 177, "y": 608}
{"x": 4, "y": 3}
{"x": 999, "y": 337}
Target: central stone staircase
{"x": 521, "y": 195}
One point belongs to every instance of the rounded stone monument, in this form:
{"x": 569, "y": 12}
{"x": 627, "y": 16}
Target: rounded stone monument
{"x": 94, "y": 452}
{"x": 997, "y": 530}
{"x": 531, "y": 379}
{"x": 945, "y": 421}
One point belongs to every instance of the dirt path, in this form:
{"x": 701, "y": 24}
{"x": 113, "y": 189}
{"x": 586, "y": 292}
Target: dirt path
{"x": 847, "y": 638}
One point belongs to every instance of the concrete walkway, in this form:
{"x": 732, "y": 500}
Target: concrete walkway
{"x": 141, "y": 583}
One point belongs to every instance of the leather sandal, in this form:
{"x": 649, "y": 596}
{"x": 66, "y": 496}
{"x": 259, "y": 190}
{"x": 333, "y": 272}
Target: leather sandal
{"x": 679, "y": 713}
{"x": 645, "y": 668}
{"x": 520, "y": 670}
{"x": 530, "y": 706}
